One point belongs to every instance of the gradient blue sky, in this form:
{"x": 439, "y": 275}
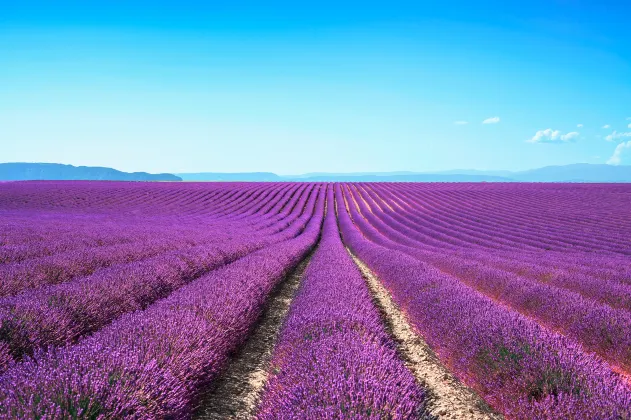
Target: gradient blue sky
{"x": 294, "y": 87}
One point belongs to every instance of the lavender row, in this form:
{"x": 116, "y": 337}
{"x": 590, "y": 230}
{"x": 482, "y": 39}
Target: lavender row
{"x": 436, "y": 231}
{"x": 522, "y": 369}
{"x": 56, "y": 243}
{"x": 605, "y": 267}
{"x": 567, "y": 202}
{"x": 524, "y": 227}
{"x": 456, "y": 221}
{"x": 432, "y": 232}
{"x": 598, "y": 327}
{"x": 275, "y": 208}
{"x": 505, "y": 228}
{"x": 591, "y": 286}
{"x": 24, "y": 242}
{"x": 334, "y": 358}
{"x": 153, "y": 363}
{"x": 62, "y": 267}
{"x": 57, "y": 315}
{"x": 120, "y": 200}
{"x": 599, "y": 285}
{"x": 51, "y": 240}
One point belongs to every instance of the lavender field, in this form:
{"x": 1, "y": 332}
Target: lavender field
{"x": 409, "y": 300}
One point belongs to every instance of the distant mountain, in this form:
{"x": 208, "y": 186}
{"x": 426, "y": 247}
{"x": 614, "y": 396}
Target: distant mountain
{"x": 579, "y": 172}
{"x": 413, "y": 177}
{"x": 333, "y": 174}
{"x": 56, "y": 171}
{"x": 339, "y": 177}
{"x": 232, "y": 177}
{"x": 505, "y": 174}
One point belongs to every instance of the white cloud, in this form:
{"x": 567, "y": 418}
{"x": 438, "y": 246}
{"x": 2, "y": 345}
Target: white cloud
{"x": 615, "y": 136}
{"x": 492, "y": 120}
{"x": 569, "y": 136}
{"x": 616, "y": 158}
{"x": 606, "y": 126}
{"x": 553, "y": 136}
{"x": 461, "y": 122}
{"x": 580, "y": 125}
{"x": 629, "y": 126}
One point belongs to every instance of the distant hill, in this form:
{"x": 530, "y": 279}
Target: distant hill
{"x": 354, "y": 174}
{"x": 580, "y": 172}
{"x": 56, "y": 171}
{"x": 475, "y": 172}
{"x": 413, "y": 177}
{"x": 232, "y": 177}
{"x": 339, "y": 177}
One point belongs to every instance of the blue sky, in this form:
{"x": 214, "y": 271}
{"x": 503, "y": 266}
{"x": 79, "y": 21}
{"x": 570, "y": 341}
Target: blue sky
{"x": 294, "y": 87}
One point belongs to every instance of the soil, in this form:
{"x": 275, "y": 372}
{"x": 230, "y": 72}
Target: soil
{"x": 236, "y": 394}
{"x": 448, "y": 397}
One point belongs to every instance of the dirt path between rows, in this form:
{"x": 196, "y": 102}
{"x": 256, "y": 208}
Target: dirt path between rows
{"x": 448, "y": 397}
{"x": 235, "y": 395}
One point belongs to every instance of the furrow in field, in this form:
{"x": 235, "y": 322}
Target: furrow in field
{"x": 61, "y": 314}
{"x": 154, "y": 363}
{"x": 334, "y": 357}
{"x": 455, "y": 220}
{"x": 441, "y": 212}
{"x": 598, "y": 327}
{"x": 589, "y": 286}
{"x": 236, "y": 393}
{"x": 448, "y": 397}
{"x": 522, "y": 369}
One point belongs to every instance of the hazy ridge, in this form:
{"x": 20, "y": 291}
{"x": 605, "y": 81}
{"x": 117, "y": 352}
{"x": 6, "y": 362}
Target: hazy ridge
{"x": 580, "y": 172}
{"x": 56, "y": 171}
